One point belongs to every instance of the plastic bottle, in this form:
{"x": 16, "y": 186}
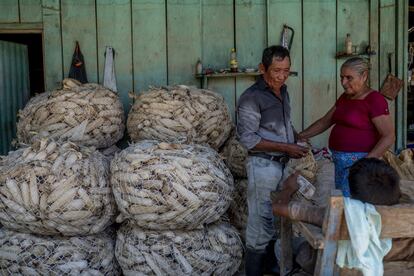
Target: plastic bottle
{"x": 348, "y": 44}
{"x": 199, "y": 67}
{"x": 233, "y": 61}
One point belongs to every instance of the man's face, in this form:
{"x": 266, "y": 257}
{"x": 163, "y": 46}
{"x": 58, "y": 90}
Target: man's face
{"x": 278, "y": 72}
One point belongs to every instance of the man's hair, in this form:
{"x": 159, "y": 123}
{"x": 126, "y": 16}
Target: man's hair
{"x": 278, "y": 52}
{"x": 373, "y": 181}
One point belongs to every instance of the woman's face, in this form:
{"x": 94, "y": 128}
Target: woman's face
{"x": 352, "y": 81}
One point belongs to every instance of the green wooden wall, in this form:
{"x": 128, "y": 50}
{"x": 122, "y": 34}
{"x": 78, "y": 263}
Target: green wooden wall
{"x": 158, "y": 42}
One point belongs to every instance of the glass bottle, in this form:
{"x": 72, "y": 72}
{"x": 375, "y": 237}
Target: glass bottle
{"x": 233, "y": 61}
{"x": 348, "y": 44}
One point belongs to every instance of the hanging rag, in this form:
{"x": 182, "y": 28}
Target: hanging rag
{"x": 109, "y": 80}
{"x": 77, "y": 68}
{"x": 365, "y": 250}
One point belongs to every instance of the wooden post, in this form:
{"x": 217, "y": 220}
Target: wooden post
{"x": 325, "y": 264}
{"x": 286, "y": 262}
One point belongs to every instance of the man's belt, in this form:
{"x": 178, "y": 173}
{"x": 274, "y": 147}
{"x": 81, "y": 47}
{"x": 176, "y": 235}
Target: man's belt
{"x": 283, "y": 159}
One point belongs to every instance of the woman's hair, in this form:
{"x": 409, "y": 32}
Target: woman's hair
{"x": 371, "y": 180}
{"x": 358, "y": 64}
{"x": 278, "y": 52}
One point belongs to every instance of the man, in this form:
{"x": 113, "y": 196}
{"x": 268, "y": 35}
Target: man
{"x": 265, "y": 129}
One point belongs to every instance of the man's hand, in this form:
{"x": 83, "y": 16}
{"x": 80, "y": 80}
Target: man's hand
{"x": 291, "y": 183}
{"x": 296, "y": 151}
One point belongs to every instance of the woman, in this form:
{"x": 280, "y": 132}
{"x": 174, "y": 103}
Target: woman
{"x": 361, "y": 119}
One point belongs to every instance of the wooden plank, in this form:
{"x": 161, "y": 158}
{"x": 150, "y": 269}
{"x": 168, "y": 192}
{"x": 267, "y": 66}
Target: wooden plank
{"x": 30, "y": 11}
{"x": 184, "y": 47}
{"x": 289, "y": 12}
{"x": 26, "y": 28}
{"x": 312, "y": 234}
{"x": 216, "y": 46}
{"x": 387, "y": 43}
{"x": 397, "y": 222}
{"x": 149, "y": 43}
{"x": 9, "y": 11}
{"x": 401, "y": 72}
{"x": 52, "y": 44}
{"x": 325, "y": 264}
{"x": 286, "y": 262}
{"x": 251, "y": 38}
{"x": 114, "y": 29}
{"x": 352, "y": 18}
{"x": 399, "y": 268}
{"x": 79, "y": 24}
{"x": 374, "y": 42}
{"x": 319, "y": 72}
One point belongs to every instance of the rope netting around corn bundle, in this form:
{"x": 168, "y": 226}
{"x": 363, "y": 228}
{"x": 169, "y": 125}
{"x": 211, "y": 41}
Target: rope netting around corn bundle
{"x": 87, "y": 114}
{"x": 29, "y": 254}
{"x": 238, "y": 207}
{"x": 52, "y": 188}
{"x": 180, "y": 114}
{"x": 235, "y": 156}
{"x": 170, "y": 186}
{"x": 306, "y": 165}
{"x": 214, "y": 250}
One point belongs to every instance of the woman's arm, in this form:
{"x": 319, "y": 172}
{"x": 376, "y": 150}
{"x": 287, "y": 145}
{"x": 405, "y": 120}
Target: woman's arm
{"x": 319, "y": 126}
{"x": 385, "y": 128}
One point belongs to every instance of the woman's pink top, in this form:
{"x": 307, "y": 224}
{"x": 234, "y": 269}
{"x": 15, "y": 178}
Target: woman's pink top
{"x": 354, "y": 130}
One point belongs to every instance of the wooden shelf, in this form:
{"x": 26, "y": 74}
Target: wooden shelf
{"x": 343, "y": 55}
{"x": 204, "y": 77}
{"x": 228, "y": 75}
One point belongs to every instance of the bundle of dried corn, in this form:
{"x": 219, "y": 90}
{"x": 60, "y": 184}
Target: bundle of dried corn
{"x": 180, "y": 114}
{"x": 214, "y": 250}
{"x": 170, "y": 186}
{"x": 87, "y": 114}
{"x": 235, "y": 155}
{"x": 50, "y": 188}
{"x": 238, "y": 206}
{"x": 403, "y": 164}
{"x": 29, "y": 254}
{"x": 306, "y": 165}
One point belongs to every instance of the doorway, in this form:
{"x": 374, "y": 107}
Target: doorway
{"x": 21, "y": 77}
{"x": 34, "y": 43}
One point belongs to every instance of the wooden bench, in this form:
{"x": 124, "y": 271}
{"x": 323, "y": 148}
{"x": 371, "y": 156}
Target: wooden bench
{"x": 397, "y": 222}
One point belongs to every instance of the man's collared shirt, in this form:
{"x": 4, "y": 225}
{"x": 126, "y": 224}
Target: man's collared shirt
{"x": 262, "y": 115}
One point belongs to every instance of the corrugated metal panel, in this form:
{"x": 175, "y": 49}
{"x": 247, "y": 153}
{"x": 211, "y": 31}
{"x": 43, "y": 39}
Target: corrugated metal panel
{"x": 14, "y": 89}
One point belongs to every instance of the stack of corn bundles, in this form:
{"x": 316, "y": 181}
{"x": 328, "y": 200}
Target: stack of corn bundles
{"x": 29, "y": 254}
{"x": 180, "y": 114}
{"x": 235, "y": 156}
{"x": 170, "y": 186}
{"x": 51, "y": 188}
{"x": 214, "y": 250}
{"x": 87, "y": 114}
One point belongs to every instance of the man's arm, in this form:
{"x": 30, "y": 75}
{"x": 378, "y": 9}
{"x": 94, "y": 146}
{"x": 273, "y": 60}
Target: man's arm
{"x": 283, "y": 206}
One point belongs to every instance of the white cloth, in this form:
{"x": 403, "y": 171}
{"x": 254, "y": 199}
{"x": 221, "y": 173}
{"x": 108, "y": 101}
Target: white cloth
{"x": 365, "y": 250}
{"x": 109, "y": 80}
